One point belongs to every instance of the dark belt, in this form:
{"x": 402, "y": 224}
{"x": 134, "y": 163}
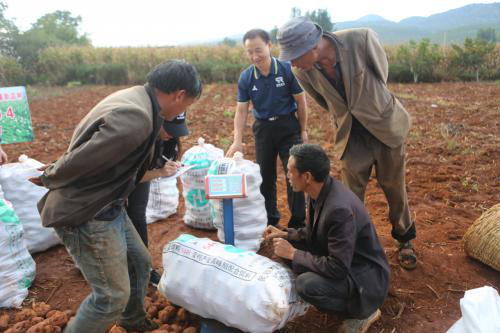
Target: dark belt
{"x": 274, "y": 118}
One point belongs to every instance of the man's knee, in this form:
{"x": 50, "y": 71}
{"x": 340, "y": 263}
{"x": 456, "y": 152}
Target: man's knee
{"x": 146, "y": 263}
{"x": 305, "y": 284}
{"x": 113, "y": 301}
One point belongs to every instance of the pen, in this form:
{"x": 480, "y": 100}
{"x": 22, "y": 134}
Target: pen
{"x": 169, "y": 160}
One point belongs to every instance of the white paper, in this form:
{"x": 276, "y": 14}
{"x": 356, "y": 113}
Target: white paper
{"x": 180, "y": 171}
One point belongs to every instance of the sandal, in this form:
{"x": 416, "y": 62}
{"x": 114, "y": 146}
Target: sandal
{"x": 407, "y": 257}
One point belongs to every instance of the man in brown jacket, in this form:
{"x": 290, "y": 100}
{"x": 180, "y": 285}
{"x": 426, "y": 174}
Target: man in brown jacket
{"x": 346, "y": 73}
{"x": 341, "y": 265}
{"x": 108, "y": 155}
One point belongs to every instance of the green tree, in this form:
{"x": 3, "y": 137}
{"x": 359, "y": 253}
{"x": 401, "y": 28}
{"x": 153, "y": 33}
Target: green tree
{"x": 228, "y": 41}
{"x": 59, "y": 28}
{"x": 473, "y": 55}
{"x": 487, "y": 34}
{"x": 296, "y": 12}
{"x": 322, "y": 18}
{"x": 420, "y": 59}
{"x": 319, "y": 16}
{"x": 8, "y": 31}
{"x": 273, "y": 34}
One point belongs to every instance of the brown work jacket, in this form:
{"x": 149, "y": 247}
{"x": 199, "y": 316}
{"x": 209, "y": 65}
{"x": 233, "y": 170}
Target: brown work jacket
{"x": 107, "y": 156}
{"x": 364, "y": 68}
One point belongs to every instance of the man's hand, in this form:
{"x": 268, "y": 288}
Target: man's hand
{"x": 273, "y": 232}
{"x": 283, "y": 249}
{"x": 236, "y": 146}
{"x": 304, "y": 136}
{"x": 36, "y": 180}
{"x": 3, "y": 156}
{"x": 169, "y": 169}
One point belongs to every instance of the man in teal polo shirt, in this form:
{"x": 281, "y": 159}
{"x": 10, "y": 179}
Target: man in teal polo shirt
{"x": 279, "y": 108}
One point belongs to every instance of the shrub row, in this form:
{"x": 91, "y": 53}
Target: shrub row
{"x": 116, "y": 66}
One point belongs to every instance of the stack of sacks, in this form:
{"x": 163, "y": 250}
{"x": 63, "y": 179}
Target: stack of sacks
{"x": 24, "y": 196}
{"x": 17, "y": 268}
{"x": 197, "y": 213}
{"x": 249, "y": 214}
{"x": 163, "y": 199}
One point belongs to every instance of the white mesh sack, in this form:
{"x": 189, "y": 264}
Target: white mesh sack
{"x": 24, "y": 196}
{"x": 197, "y": 213}
{"x": 249, "y": 214}
{"x": 163, "y": 199}
{"x": 480, "y": 312}
{"x": 246, "y": 291}
{"x": 17, "y": 268}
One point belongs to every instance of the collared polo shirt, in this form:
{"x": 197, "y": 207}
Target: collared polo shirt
{"x": 271, "y": 95}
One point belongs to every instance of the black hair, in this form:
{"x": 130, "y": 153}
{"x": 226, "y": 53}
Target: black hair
{"x": 264, "y": 35}
{"x": 312, "y": 158}
{"x": 173, "y": 75}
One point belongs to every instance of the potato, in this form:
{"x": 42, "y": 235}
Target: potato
{"x": 51, "y": 313}
{"x": 117, "y": 329}
{"x": 44, "y": 329}
{"x": 163, "y": 316}
{"x": 176, "y": 328}
{"x": 159, "y": 331}
{"x": 69, "y": 313}
{"x": 147, "y": 302}
{"x": 165, "y": 327}
{"x": 20, "y": 327}
{"x": 24, "y": 314}
{"x": 41, "y": 327}
{"x": 36, "y": 320}
{"x": 4, "y": 322}
{"x": 182, "y": 315}
{"x": 152, "y": 311}
{"x": 41, "y": 309}
{"x": 162, "y": 303}
{"x": 190, "y": 330}
{"x": 166, "y": 314}
{"x": 157, "y": 295}
{"x": 58, "y": 319}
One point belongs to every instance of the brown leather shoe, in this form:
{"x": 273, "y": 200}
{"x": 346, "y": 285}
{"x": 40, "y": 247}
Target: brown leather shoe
{"x": 359, "y": 325}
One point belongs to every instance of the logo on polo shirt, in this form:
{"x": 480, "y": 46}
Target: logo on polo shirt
{"x": 254, "y": 88}
{"x": 279, "y": 82}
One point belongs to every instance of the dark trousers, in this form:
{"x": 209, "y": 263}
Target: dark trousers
{"x": 136, "y": 209}
{"x": 273, "y": 139}
{"x": 325, "y": 294}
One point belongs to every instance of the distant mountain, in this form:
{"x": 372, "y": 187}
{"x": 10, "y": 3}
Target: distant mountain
{"x": 451, "y": 26}
{"x": 371, "y": 18}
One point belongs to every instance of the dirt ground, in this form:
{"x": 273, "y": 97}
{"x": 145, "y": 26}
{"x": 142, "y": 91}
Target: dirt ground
{"x": 453, "y": 175}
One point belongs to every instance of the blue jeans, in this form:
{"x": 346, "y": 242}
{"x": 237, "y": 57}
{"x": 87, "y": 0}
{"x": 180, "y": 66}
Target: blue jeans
{"x": 116, "y": 264}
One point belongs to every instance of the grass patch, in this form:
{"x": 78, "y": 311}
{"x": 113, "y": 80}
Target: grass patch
{"x": 406, "y": 96}
{"x": 229, "y": 113}
{"x": 225, "y": 142}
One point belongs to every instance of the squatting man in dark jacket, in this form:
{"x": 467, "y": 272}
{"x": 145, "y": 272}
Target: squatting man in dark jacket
{"x": 108, "y": 155}
{"x": 340, "y": 263}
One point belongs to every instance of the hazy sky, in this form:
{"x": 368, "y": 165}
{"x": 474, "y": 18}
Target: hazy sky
{"x": 167, "y": 22}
